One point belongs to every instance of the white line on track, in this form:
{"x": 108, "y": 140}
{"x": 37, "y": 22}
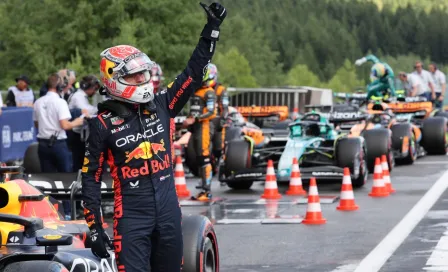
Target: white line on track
{"x": 384, "y": 250}
{"x": 431, "y": 162}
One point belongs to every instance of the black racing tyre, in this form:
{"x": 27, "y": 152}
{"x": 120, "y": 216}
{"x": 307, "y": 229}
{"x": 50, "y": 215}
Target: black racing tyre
{"x": 399, "y": 131}
{"x": 238, "y": 157}
{"x": 350, "y": 152}
{"x": 32, "y": 266}
{"x": 190, "y": 157}
{"x": 378, "y": 142}
{"x": 199, "y": 239}
{"x": 233, "y": 133}
{"x": 191, "y": 161}
{"x": 442, "y": 114}
{"x": 434, "y": 135}
{"x": 31, "y": 161}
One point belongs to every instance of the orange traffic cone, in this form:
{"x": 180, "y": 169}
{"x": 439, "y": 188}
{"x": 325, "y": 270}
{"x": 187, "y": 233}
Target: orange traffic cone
{"x": 347, "y": 202}
{"x": 386, "y": 175}
{"x": 295, "y": 182}
{"x": 179, "y": 179}
{"x": 378, "y": 188}
{"x": 313, "y": 211}
{"x": 270, "y": 186}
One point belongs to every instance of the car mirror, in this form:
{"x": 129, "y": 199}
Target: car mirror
{"x": 54, "y": 240}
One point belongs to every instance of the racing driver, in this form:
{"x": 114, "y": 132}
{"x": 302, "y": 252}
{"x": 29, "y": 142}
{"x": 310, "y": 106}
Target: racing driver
{"x": 132, "y": 131}
{"x": 381, "y": 77}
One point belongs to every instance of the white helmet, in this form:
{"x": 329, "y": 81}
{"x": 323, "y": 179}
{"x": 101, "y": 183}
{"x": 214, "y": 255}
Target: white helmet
{"x": 123, "y": 60}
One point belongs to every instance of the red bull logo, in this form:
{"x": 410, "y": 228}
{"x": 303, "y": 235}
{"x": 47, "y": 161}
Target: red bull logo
{"x": 145, "y": 151}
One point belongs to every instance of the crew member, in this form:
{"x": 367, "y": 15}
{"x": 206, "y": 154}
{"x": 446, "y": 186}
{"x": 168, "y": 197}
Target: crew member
{"x": 381, "y": 77}
{"x": 20, "y": 95}
{"x": 439, "y": 80}
{"x": 222, "y": 101}
{"x": 202, "y": 112}
{"x": 133, "y": 129}
{"x": 79, "y": 100}
{"x": 51, "y": 117}
{"x": 428, "y": 84}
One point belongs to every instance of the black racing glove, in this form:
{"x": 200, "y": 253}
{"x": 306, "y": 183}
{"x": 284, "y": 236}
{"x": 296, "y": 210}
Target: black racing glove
{"x": 215, "y": 15}
{"x": 98, "y": 236}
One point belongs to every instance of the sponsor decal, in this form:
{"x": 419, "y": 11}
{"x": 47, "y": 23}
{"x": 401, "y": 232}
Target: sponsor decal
{"x": 134, "y": 185}
{"x": 135, "y": 138}
{"x": 346, "y": 115}
{"x": 145, "y": 150}
{"x": 146, "y": 112}
{"x": 63, "y": 187}
{"x": 17, "y": 137}
{"x": 152, "y": 123}
{"x": 162, "y": 178}
{"x": 170, "y": 84}
{"x": 106, "y": 115}
{"x": 180, "y": 92}
{"x": 52, "y": 237}
{"x": 84, "y": 169}
{"x": 86, "y": 161}
{"x": 326, "y": 174}
{"x": 6, "y": 136}
{"x": 116, "y": 121}
{"x": 118, "y": 129}
{"x": 156, "y": 166}
{"x": 88, "y": 265}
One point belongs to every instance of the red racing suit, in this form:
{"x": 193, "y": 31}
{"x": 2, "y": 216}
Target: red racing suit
{"x": 137, "y": 141}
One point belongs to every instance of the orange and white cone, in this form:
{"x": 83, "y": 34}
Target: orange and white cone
{"x": 313, "y": 211}
{"x": 270, "y": 186}
{"x": 179, "y": 179}
{"x": 295, "y": 182}
{"x": 386, "y": 175}
{"x": 378, "y": 188}
{"x": 347, "y": 201}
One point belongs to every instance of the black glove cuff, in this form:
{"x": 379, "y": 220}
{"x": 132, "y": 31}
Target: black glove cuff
{"x": 210, "y": 32}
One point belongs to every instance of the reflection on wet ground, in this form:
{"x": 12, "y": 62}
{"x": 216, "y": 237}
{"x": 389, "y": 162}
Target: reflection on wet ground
{"x": 245, "y": 211}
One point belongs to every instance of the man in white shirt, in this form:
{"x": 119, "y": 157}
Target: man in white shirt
{"x": 412, "y": 84}
{"x": 51, "y": 116}
{"x": 20, "y": 95}
{"x": 428, "y": 84}
{"x": 439, "y": 80}
{"x": 79, "y": 101}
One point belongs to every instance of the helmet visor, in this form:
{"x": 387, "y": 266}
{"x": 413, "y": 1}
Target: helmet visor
{"x": 134, "y": 64}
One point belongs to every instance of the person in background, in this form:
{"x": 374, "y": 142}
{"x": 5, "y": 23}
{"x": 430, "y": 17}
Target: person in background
{"x": 68, "y": 79}
{"x": 79, "y": 100}
{"x": 157, "y": 77}
{"x": 381, "y": 77}
{"x": 51, "y": 116}
{"x": 439, "y": 79}
{"x": 20, "y": 95}
{"x": 412, "y": 84}
{"x": 428, "y": 84}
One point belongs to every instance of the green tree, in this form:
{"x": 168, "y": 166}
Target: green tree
{"x": 300, "y": 75}
{"x": 345, "y": 79}
{"x": 234, "y": 69}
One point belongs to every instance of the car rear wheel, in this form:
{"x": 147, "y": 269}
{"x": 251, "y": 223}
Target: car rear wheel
{"x": 32, "y": 266}
{"x": 378, "y": 143}
{"x": 434, "y": 135}
{"x": 399, "y": 132}
{"x": 200, "y": 245}
{"x": 238, "y": 157}
{"x": 350, "y": 153}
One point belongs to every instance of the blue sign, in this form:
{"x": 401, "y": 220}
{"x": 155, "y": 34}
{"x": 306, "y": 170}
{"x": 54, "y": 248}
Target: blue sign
{"x": 17, "y": 132}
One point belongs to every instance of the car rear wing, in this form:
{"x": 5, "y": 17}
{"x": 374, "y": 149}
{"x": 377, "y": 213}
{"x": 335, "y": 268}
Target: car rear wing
{"x": 350, "y": 96}
{"x": 347, "y": 117}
